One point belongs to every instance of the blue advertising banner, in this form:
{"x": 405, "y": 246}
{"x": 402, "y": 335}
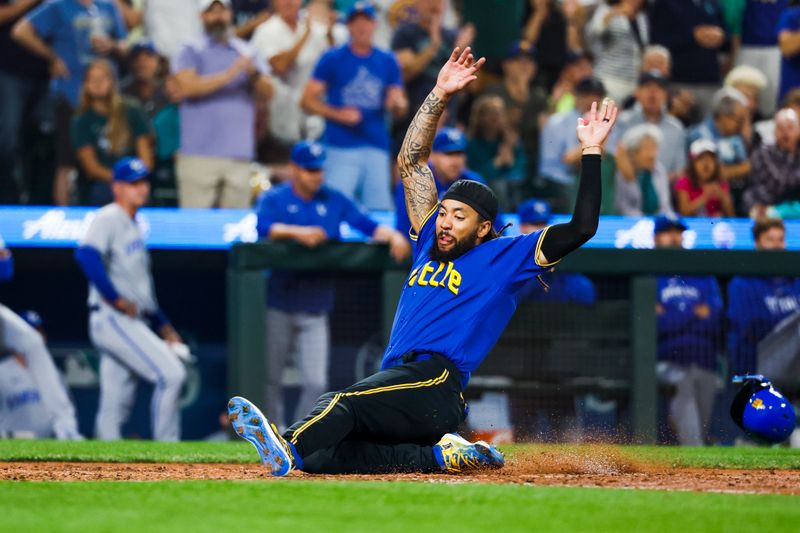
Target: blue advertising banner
{"x": 218, "y": 229}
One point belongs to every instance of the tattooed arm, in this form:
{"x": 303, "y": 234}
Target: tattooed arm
{"x": 418, "y": 183}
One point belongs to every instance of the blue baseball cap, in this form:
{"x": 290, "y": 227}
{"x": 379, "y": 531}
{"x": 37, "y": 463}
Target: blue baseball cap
{"x": 668, "y": 222}
{"x": 309, "y": 155}
{"x": 130, "y": 169}
{"x": 32, "y": 318}
{"x": 521, "y": 48}
{"x": 142, "y": 46}
{"x": 449, "y": 140}
{"x": 534, "y": 212}
{"x": 360, "y": 8}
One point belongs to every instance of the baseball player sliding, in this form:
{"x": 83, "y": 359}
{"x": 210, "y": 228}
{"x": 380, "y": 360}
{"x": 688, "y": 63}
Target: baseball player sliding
{"x": 121, "y": 301}
{"x": 19, "y": 337}
{"x": 458, "y": 298}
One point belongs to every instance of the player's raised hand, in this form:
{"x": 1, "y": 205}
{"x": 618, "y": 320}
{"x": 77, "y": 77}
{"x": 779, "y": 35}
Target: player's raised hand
{"x": 593, "y": 130}
{"x": 459, "y": 71}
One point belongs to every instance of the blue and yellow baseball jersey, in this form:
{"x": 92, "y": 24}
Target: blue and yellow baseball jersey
{"x": 459, "y": 309}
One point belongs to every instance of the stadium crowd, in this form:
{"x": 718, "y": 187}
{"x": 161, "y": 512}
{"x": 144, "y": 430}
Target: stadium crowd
{"x": 212, "y": 94}
{"x": 222, "y": 99}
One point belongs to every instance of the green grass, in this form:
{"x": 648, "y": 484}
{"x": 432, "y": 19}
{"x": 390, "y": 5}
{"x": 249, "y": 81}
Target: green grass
{"x": 357, "y": 506}
{"x": 241, "y": 452}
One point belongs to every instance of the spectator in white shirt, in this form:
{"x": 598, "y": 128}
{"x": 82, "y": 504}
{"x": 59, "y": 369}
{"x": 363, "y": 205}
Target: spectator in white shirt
{"x": 292, "y": 41}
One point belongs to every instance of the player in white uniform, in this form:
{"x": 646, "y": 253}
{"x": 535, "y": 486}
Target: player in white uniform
{"x": 121, "y": 303}
{"x": 17, "y": 336}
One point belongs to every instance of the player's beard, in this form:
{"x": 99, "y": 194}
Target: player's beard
{"x": 460, "y": 247}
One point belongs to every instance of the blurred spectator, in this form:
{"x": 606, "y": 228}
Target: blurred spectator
{"x": 652, "y": 95}
{"x": 422, "y": 47}
{"x": 560, "y": 150}
{"x": 219, "y": 77}
{"x": 577, "y": 67}
{"x": 171, "y": 24}
{"x": 757, "y": 304}
{"x": 248, "y": 15}
{"x": 352, "y": 87}
{"x": 69, "y": 34}
{"x": 657, "y": 57}
{"x": 765, "y": 129}
{"x": 145, "y": 83}
{"x": 167, "y": 129}
{"x": 448, "y": 162}
{"x": 702, "y": 192}
{"x": 497, "y": 27}
{"x": 689, "y": 311}
{"x": 681, "y": 102}
{"x": 568, "y": 287}
{"x": 728, "y": 125}
{"x": 617, "y": 35}
{"x": 789, "y": 42}
{"x": 775, "y": 177}
{"x": 647, "y": 192}
{"x": 106, "y": 128}
{"x": 751, "y": 82}
{"x": 752, "y": 25}
{"x": 306, "y": 211}
{"x": 292, "y": 41}
{"x": 495, "y": 150}
{"x": 694, "y": 33}
{"x": 526, "y": 104}
{"x": 23, "y": 85}
{"x": 554, "y": 29}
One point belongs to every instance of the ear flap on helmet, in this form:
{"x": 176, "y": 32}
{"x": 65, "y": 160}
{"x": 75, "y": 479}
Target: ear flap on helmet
{"x": 740, "y": 401}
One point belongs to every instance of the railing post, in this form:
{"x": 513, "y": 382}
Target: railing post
{"x": 644, "y": 390}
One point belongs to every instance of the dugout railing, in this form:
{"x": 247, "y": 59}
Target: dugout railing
{"x": 246, "y": 303}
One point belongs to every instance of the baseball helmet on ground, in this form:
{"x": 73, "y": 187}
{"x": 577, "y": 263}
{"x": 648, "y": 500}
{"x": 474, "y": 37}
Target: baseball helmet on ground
{"x": 761, "y": 411}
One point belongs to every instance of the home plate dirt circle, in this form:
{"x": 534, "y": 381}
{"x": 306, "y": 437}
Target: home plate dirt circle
{"x": 596, "y": 469}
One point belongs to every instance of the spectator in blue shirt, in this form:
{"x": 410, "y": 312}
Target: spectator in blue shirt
{"x": 570, "y": 287}
{"x": 69, "y": 35}
{"x": 757, "y": 304}
{"x": 726, "y": 125}
{"x": 308, "y": 212}
{"x": 449, "y": 164}
{"x": 689, "y": 311}
{"x": 789, "y": 42}
{"x": 352, "y": 87}
{"x": 560, "y": 150}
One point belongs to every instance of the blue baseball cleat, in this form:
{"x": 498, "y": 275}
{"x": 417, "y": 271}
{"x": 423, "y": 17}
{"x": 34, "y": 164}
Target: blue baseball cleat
{"x": 250, "y": 424}
{"x": 456, "y": 454}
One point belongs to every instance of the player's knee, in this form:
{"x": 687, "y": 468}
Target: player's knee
{"x": 174, "y": 376}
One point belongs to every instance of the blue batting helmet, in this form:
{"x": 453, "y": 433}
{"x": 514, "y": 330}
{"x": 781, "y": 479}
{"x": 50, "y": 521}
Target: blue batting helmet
{"x": 761, "y": 411}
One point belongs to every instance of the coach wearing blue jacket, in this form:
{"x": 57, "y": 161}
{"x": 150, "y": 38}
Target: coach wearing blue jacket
{"x": 757, "y": 304}
{"x": 534, "y": 215}
{"x": 306, "y": 211}
{"x": 689, "y": 310}
{"x": 448, "y": 162}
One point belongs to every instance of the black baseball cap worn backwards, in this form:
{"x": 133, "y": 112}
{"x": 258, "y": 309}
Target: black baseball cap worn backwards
{"x": 476, "y": 195}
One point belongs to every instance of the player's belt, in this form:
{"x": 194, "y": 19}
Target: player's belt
{"x": 94, "y": 308}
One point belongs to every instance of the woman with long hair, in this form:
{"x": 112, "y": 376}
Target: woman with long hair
{"x": 702, "y": 191}
{"x": 106, "y": 128}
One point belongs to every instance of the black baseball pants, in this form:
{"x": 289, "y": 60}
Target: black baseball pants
{"x": 386, "y": 423}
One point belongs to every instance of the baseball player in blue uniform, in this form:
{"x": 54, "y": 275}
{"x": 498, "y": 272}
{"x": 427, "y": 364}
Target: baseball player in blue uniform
{"x": 534, "y": 215}
{"x": 122, "y": 302}
{"x": 689, "y": 310}
{"x": 307, "y": 211}
{"x": 757, "y": 304}
{"x": 456, "y": 301}
{"x": 448, "y": 163}
{"x": 19, "y": 337}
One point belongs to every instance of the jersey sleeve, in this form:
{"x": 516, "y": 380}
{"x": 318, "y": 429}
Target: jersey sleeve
{"x": 120, "y": 30}
{"x": 98, "y": 235}
{"x": 427, "y": 233}
{"x": 44, "y": 20}
{"x": 325, "y": 68}
{"x": 265, "y": 214}
{"x": 355, "y": 216}
{"x": 517, "y": 258}
{"x": 187, "y": 59}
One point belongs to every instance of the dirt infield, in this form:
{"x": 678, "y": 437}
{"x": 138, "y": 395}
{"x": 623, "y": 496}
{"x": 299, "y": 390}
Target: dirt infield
{"x": 597, "y": 469}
